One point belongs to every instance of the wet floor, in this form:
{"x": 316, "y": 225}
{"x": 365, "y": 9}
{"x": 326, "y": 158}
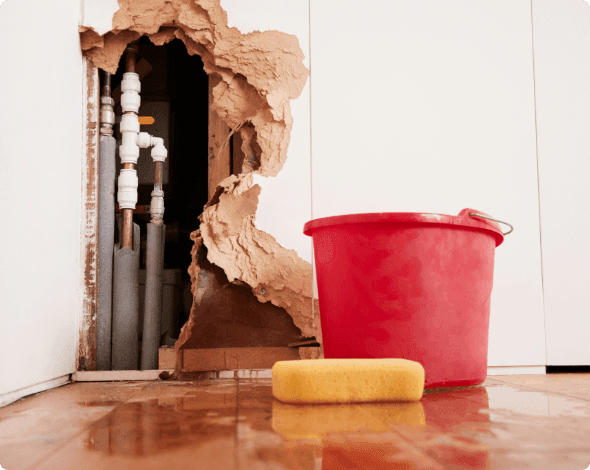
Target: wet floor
{"x": 511, "y": 422}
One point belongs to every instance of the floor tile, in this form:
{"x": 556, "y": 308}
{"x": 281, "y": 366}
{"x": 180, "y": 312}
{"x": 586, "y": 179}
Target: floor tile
{"x": 35, "y": 426}
{"x": 575, "y": 385}
{"x": 506, "y": 423}
{"x": 497, "y": 425}
{"x": 324, "y": 436}
{"x": 188, "y": 426}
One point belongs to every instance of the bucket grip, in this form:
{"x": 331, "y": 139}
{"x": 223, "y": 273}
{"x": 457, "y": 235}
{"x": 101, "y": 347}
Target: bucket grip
{"x": 475, "y": 214}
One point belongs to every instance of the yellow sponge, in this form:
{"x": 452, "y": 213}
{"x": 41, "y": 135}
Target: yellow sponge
{"x": 347, "y": 380}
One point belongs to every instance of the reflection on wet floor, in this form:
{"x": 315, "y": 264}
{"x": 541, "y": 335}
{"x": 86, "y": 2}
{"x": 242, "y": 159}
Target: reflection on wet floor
{"x": 229, "y": 424}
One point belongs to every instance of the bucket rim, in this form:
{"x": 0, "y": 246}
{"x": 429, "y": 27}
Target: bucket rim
{"x": 461, "y": 220}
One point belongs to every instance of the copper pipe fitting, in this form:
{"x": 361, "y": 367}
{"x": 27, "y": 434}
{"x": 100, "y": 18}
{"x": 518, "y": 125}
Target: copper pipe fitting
{"x": 130, "y": 62}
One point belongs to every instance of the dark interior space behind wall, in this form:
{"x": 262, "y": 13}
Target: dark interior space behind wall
{"x": 179, "y": 80}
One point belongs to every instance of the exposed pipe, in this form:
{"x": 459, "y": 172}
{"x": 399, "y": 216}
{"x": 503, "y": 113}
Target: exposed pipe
{"x": 106, "y": 226}
{"x": 126, "y": 290}
{"x": 125, "y": 349}
{"x": 107, "y": 103}
{"x": 156, "y": 231}
{"x": 129, "y": 151}
{"x": 125, "y": 340}
{"x": 153, "y": 297}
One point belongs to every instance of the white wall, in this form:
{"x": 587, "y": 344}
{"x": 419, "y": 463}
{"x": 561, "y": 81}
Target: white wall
{"x": 98, "y": 14}
{"x": 285, "y": 200}
{"x": 428, "y": 106}
{"x": 562, "y": 66}
{"x": 40, "y": 165}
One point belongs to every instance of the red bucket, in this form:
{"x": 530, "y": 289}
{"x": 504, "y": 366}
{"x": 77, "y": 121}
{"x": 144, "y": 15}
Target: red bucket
{"x": 411, "y": 286}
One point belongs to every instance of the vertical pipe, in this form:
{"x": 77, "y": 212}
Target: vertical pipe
{"x": 106, "y": 226}
{"x": 156, "y": 231}
{"x": 153, "y": 297}
{"x": 127, "y": 236}
{"x": 125, "y": 353}
{"x": 125, "y": 323}
{"x": 159, "y": 175}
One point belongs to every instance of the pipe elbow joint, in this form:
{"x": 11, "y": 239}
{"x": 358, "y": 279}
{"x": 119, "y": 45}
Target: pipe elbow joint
{"x": 159, "y": 152}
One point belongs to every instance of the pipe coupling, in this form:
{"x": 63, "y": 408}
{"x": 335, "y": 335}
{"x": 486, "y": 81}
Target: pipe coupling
{"x": 130, "y": 102}
{"x": 157, "y": 207}
{"x": 130, "y": 86}
{"x": 131, "y": 82}
{"x": 107, "y": 115}
{"x": 129, "y": 153}
{"x": 127, "y": 194}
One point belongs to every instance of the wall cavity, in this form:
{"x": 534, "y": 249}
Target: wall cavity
{"x": 259, "y": 74}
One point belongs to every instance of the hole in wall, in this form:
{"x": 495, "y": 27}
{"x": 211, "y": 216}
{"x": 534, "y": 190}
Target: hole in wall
{"x": 174, "y": 93}
{"x": 257, "y": 75}
{"x": 174, "y": 103}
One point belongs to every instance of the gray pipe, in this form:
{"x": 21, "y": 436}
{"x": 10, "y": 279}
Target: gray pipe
{"x": 106, "y": 235}
{"x": 154, "y": 285}
{"x": 125, "y": 352}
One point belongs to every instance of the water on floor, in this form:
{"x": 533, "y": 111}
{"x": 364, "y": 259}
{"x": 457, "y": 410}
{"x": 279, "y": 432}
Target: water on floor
{"x": 535, "y": 421}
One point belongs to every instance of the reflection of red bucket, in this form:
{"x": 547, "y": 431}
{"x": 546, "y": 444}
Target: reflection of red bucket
{"x": 405, "y": 285}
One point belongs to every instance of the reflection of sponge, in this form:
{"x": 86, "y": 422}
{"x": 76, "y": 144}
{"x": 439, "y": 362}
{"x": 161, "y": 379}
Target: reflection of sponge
{"x": 318, "y": 421}
{"x": 347, "y": 380}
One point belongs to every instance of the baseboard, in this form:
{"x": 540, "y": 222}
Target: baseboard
{"x": 11, "y": 397}
{"x": 516, "y": 370}
{"x": 117, "y": 375}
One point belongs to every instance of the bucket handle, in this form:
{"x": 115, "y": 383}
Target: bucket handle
{"x": 475, "y": 214}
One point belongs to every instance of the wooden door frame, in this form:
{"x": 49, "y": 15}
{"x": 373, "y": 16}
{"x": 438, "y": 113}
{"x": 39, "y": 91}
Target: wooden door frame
{"x": 86, "y": 350}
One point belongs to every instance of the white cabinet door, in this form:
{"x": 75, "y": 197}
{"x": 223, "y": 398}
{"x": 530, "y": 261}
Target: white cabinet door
{"x": 428, "y": 106}
{"x": 562, "y": 75}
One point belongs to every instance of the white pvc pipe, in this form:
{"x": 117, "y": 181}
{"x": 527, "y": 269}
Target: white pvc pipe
{"x": 129, "y": 150}
{"x": 132, "y": 141}
{"x": 159, "y": 154}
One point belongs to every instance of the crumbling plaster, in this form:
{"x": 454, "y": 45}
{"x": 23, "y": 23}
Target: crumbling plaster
{"x": 261, "y": 73}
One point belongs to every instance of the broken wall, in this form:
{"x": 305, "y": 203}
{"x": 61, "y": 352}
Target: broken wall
{"x": 252, "y": 228}
{"x": 285, "y": 200}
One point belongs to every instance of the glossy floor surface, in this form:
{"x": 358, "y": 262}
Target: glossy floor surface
{"x": 511, "y": 422}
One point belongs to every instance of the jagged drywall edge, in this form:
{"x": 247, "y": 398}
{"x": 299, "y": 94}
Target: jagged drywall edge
{"x": 248, "y": 254}
{"x": 233, "y": 242}
{"x": 261, "y": 72}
